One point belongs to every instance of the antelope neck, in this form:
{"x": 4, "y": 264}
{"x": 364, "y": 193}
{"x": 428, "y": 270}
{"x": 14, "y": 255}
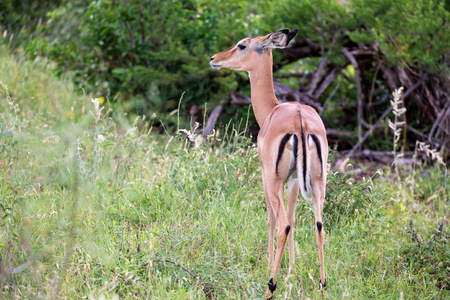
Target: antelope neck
{"x": 262, "y": 92}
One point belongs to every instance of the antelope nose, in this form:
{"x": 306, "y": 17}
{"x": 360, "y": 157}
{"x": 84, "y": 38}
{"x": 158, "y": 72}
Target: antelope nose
{"x": 212, "y": 57}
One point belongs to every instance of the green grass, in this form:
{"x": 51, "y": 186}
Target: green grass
{"x": 99, "y": 209}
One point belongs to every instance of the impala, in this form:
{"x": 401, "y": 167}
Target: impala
{"x": 292, "y": 146}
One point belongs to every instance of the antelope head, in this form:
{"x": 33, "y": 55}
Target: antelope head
{"x": 244, "y": 56}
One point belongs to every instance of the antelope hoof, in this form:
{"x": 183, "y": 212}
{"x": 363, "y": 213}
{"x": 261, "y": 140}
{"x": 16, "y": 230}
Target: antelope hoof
{"x": 323, "y": 286}
{"x": 272, "y": 287}
{"x": 268, "y": 294}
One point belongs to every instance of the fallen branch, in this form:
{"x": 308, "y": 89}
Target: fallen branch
{"x": 339, "y": 133}
{"x": 213, "y": 116}
{"x": 385, "y": 157}
{"x": 240, "y": 100}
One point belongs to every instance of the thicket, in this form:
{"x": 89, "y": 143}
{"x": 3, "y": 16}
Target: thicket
{"x": 96, "y": 206}
{"x": 93, "y": 204}
{"x": 143, "y": 55}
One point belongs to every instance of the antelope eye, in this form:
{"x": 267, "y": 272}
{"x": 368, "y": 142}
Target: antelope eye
{"x": 241, "y": 47}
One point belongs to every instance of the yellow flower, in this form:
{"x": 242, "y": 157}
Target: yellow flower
{"x": 101, "y": 99}
{"x": 69, "y": 115}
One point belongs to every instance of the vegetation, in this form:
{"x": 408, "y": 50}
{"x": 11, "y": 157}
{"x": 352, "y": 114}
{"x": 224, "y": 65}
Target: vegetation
{"x": 142, "y": 55}
{"x": 115, "y": 183}
{"x": 96, "y": 207}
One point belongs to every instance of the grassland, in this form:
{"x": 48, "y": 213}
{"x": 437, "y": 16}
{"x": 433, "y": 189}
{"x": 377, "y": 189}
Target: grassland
{"x": 95, "y": 206}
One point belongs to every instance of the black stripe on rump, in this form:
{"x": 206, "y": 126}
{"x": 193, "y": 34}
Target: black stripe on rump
{"x": 295, "y": 149}
{"x": 304, "y": 152}
{"x": 319, "y": 150}
{"x": 281, "y": 148}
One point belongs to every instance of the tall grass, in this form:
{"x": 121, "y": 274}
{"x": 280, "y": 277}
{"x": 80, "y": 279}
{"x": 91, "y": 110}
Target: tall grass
{"x": 98, "y": 207}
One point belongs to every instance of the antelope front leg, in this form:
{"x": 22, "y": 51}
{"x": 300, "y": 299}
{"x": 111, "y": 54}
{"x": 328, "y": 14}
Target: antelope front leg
{"x": 271, "y": 224}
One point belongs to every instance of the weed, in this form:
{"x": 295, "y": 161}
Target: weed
{"x": 429, "y": 257}
{"x": 398, "y": 108}
{"x": 104, "y": 209}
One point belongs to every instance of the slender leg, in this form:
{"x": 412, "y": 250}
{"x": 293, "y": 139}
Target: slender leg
{"x": 318, "y": 200}
{"x": 271, "y": 224}
{"x": 276, "y": 200}
{"x": 293, "y": 190}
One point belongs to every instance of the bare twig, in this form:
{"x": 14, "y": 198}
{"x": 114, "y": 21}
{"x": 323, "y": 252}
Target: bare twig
{"x": 441, "y": 115}
{"x": 328, "y": 80}
{"x": 330, "y": 96}
{"x": 372, "y": 88}
{"x": 316, "y": 76}
{"x": 240, "y": 100}
{"x": 355, "y": 65}
{"x": 417, "y": 132}
{"x": 289, "y": 75}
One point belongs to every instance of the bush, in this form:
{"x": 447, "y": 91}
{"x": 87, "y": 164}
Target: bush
{"x": 145, "y": 54}
{"x": 20, "y": 18}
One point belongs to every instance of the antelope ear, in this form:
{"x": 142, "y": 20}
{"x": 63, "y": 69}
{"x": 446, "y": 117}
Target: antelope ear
{"x": 291, "y": 35}
{"x": 279, "y": 39}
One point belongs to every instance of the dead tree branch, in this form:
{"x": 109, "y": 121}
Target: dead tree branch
{"x": 213, "y": 116}
{"x": 355, "y": 65}
{"x": 383, "y": 116}
{"x": 328, "y": 80}
{"x": 444, "y": 113}
{"x": 316, "y": 76}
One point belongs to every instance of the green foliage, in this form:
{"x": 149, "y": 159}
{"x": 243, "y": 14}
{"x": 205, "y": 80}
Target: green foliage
{"x": 429, "y": 256}
{"x": 416, "y": 32}
{"x": 349, "y": 202}
{"x": 321, "y": 21}
{"x": 144, "y": 54}
{"x": 148, "y": 52}
{"x": 105, "y": 209}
